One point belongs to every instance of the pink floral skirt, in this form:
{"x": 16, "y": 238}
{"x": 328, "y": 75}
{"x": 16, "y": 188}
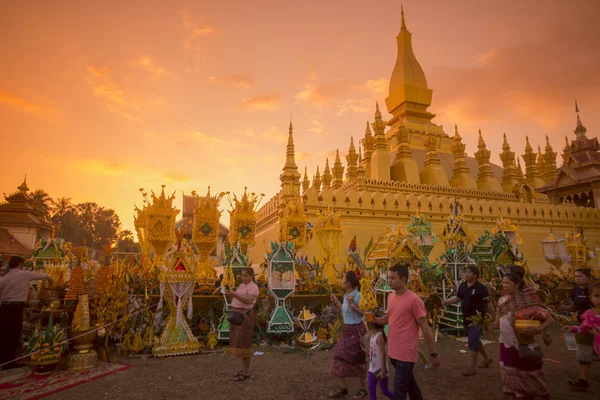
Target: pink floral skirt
{"x": 521, "y": 378}
{"x": 349, "y": 360}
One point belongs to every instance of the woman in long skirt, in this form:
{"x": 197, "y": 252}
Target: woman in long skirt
{"x": 240, "y": 336}
{"x": 349, "y": 359}
{"x": 522, "y": 378}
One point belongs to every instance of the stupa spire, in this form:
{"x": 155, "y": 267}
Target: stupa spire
{"x": 290, "y": 178}
{"x": 461, "y": 176}
{"x": 485, "y": 176}
{"x": 317, "y": 180}
{"x": 305, "y": 181}
{"x": 510, "y": 175}
{"x": 532, "y": 174}
{"x": 520, "y": 171}
{"x": 327, "y": 175}
{"x": 360, "y": 171}
{"x": 380, "y": 159}
{"x": 338, "y": 172}
{"x": 433, "y": 173}
{"x": 351, "y": 161}
{"x": 368, "y": 143}
{"x": 403, "y": 23}
{"x": 549, "y": 173}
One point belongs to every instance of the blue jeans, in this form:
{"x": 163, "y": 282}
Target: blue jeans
{"x": 404, "y": 381}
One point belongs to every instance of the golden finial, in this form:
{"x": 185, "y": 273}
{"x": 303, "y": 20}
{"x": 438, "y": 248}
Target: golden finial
{"x": 377, "y": 112}
{"x": 23, "y": 188}
{"x": 403, "y": 24}
{"x": 456, "y": 134}
{"x": 368, "y": 130}
{"x": 576, "y": 106}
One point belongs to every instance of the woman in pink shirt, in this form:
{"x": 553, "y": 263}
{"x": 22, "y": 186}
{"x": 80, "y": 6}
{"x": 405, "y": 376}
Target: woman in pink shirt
{"x": 240, "y": 336}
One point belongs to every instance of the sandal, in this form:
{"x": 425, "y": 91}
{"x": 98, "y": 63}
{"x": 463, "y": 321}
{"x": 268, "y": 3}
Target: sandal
{"x": 361, "y": 394}
{"x": 469, "y": 373}
{"x": 240, "y": 372}
{"x": 338, "y": 393}
{"x": 241, "y": 377}
{"x": 486, "y": 364}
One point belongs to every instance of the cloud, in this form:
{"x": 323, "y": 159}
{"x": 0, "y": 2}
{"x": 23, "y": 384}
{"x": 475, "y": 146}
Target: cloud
{"x": 486, "y": 57}
{"x": 30, "y": 106}
{"x": 357, "y": 94}
{"x": 240, "y": 80}
{"x": 192, "y": 31}
{"x": 102, "y": 72}
{"x": 524, "y": 82}
{"x": 146, "y": 63}
{"x": 212, "y": 140}
{"x": 100, "y": 167}
{"x": 317, "y": 126}
{"x": 302, "y": 155}
{"x": 364, "y": 105}
{"x": 378, "y": 87}
{"x": 204, "y": 31}
{"x": 276, "y": 134}
{"x": 265, "y": 102}
{"x": 177, "y": 177}
{"x": 110, "y": 91}
{"x": 320, "y": 94}
{"x": 104, "y": 86}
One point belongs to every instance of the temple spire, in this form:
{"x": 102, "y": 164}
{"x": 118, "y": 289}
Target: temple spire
{"x": 23, "y": 188}
{"x": 380, "y": 159}
{"x": 305, "y": 181}
{"x": 338, "y": 172}
{"x": 290, "y": 178}
{"x": 580, "y": 130}
{"x": 510, "y": 175}
{"x": 485, "y": 176}
{"x": 433, "y": 173}
{"x": 532, "y": 174}
{"x": 327, "y": 175}
{"x": 351, "y": 161}
{"x": 360, "y": 171}
{"x": 403, "y": 23}
{"x": 549, "y": 172}
{"x": 368, "y": 143}
{"x": 317, "y": 180}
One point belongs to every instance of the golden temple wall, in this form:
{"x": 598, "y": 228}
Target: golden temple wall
{"x": 367, "y": 213}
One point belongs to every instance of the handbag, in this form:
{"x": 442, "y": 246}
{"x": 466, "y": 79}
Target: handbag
{"x": 530, "y": 355}
{"x": 235, "y": 318}
{"x": 527, "y": 353}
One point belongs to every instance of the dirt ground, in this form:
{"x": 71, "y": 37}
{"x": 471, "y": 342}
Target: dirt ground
{"x": 277, "y": 375}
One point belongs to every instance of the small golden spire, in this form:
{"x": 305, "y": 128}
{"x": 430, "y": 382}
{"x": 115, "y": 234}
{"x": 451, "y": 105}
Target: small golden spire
{"x": 456, "y": 134}
{"x": 23, "y": 188}
{"x": 403, "y": 23}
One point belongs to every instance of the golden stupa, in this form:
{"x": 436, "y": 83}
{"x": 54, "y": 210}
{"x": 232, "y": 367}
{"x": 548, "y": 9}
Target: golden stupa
{"x": 409, "y": 165}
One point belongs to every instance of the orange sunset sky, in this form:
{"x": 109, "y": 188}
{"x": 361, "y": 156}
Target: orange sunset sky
{"x": 99, "y": 99}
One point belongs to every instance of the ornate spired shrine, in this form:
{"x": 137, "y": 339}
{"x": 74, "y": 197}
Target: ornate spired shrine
{"x": 408, "y": 165}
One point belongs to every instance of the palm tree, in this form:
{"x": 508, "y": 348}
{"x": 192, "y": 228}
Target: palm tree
{"x": 62, "y": 205}
{"x": 42, "y": 201}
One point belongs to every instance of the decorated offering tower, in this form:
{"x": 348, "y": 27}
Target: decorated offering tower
{"x": 282, "y": 282}
{"x": 177, "y": 280}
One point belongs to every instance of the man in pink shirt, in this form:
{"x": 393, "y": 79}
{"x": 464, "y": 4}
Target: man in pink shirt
{"x": 405, "y": 315}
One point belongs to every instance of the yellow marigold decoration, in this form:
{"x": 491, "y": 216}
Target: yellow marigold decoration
{"x": 367, "y": 299}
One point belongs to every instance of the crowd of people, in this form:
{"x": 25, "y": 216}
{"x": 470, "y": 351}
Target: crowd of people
{"x": 364, "y": 352}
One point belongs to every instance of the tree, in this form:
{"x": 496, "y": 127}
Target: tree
{"x": 100, "y": 225}
{"x": 42, "y": 201}
{"x": 62, "y": 205}
{"x": 126, "y": 242}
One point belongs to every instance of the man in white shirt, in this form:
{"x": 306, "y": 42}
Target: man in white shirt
{"x": 14, "y": 287}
